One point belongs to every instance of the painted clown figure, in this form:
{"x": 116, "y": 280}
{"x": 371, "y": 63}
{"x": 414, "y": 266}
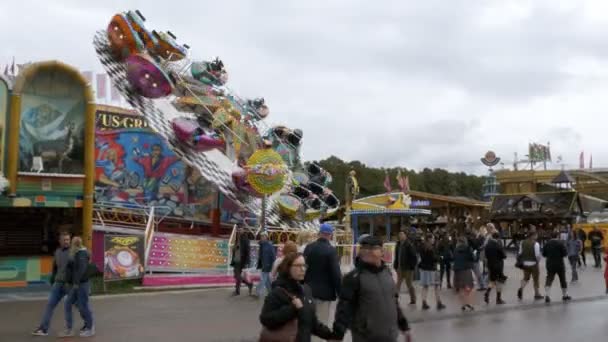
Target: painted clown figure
{"x": 155, "y": 166}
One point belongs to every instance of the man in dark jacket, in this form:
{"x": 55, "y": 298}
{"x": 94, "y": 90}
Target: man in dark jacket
{"x": 555, "y": 251}
{"x": 495, "y": 256}
{"x": 369, "y": 300}
{"x": 58, "y": 281}
{"x": 323, "y": 274}
{"x": 597, "y": 238}
{"x": 266, "y": 257}
{"x": 240, "y": 260}
{"x": 405, "y": 262}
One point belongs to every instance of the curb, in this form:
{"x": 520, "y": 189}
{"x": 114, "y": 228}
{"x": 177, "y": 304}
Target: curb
{"x": 182, "y": 287}
{"x": 512, "y": 307}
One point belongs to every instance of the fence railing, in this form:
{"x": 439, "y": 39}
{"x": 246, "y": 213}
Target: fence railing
{"x": 149, "y": 235}
{"x": 132, "y": 215}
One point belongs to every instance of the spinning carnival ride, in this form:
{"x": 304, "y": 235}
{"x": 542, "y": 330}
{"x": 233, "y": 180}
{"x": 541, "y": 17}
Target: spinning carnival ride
{"x": 210, "y": 127}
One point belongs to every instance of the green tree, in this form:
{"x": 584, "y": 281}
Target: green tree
{"x": 371, "y": 180}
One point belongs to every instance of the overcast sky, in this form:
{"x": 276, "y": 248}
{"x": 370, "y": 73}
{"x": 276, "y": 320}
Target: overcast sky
{"x": 430, "y": 83}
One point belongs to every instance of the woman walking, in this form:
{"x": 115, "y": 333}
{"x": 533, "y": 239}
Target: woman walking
{"x": 463, "y": 273}
{"x": 428, "y": 272}
{"x": 288, "y": 313}
{"x": 575, "y": 247}
{"x": 288, "y": 248}
{"x": 77, "y": 277}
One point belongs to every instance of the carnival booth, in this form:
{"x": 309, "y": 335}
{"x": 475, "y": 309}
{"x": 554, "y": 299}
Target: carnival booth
{"x": 383, "y": 215}
{"x": 47, "y": 150}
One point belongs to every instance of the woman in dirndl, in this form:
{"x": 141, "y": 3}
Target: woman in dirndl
{"x": 463, "y": 273}
{"x": 429, "y": 277}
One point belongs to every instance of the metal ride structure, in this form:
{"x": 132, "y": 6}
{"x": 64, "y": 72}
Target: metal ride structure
{"x": 213, "y": 129}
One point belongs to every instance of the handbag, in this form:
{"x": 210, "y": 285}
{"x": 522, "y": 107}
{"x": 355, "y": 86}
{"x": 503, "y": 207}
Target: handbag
{"x": 286, "y": 333}
{"x": 246, "y": 275}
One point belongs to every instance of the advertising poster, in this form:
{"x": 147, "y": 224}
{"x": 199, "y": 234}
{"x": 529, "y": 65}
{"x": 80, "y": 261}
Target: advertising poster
{"x": 123, "y": 257}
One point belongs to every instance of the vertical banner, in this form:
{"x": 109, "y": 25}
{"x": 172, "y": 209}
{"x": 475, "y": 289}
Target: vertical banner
{"x": 4, "y": 99}
{"x": 114, "y": 94}
{"x": 123, "y": 257}
{"x": 101, "y": 86}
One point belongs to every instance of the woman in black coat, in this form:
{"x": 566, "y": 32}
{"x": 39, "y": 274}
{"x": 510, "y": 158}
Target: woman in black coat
{"x": 290, "y": 300}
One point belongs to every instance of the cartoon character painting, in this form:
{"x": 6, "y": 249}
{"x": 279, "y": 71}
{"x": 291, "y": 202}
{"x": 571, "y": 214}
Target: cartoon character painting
{"x": 134, "y": 167}
{"x": 155, "y": 166}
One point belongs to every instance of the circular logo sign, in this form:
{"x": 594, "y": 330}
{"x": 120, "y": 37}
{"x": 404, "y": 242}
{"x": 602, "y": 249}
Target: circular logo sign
{"x": 490, "y": 159}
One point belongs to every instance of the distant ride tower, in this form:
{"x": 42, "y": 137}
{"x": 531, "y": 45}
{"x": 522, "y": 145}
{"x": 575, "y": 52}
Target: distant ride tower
{"x": 490, "y": 187}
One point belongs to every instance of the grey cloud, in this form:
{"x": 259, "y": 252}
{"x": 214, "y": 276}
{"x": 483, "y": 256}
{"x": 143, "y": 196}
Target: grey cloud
{"x": 363, "y": 81}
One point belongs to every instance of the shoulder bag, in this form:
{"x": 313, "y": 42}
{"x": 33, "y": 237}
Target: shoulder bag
{"x": 287, "y": 333}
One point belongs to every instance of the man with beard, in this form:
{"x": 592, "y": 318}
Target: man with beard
{"x": 369, "y": 301}
{"x": 495, "y": 256}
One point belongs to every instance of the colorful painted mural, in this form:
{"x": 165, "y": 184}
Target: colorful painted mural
{"x": 232, "y": 213}
{"x": 51, "y": 133}
{"x": 133, "y": 166}
{"x": 22, "y": 271}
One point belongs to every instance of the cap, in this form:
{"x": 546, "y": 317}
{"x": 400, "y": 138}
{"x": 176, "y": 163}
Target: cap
{"x": 362, "y": 237}
{"x": 326, "y": 228}
{"x": 370, "y": 241}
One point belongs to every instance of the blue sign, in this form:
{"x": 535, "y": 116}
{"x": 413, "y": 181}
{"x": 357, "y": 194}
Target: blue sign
{"x": 421, "y": 203}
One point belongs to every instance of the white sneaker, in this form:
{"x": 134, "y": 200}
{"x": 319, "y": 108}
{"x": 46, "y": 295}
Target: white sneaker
{"x": 40, "y": 332}
{"x": 88, "y": 332}
{"x": 66, "y": 333}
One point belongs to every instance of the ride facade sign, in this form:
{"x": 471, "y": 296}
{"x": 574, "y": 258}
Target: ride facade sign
{"x": 112, "y": 121}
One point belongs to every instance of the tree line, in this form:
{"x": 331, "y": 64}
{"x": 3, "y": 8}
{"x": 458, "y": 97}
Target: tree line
{"x": 371, "y": 179}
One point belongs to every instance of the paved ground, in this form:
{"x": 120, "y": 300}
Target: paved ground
{"x": 211, "y": 315}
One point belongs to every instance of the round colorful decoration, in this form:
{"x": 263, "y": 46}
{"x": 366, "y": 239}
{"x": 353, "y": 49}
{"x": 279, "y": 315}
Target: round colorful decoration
{"x": 266, "y": 172}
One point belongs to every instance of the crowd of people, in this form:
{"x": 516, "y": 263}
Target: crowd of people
{"x": 302, "y": 286}
{"x": 305, "y": 284}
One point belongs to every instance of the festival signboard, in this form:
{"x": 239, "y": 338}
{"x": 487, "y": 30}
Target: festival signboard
{"x": 123, "y": 257}
{"x": 539, "y": 152}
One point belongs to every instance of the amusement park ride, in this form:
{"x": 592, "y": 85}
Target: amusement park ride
{"x": 213, "y": 129}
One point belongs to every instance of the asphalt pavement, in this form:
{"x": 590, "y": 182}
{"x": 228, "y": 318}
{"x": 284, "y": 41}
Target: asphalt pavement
{"x": 213, "y": 315}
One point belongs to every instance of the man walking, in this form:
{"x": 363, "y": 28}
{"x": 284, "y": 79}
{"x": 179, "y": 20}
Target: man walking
{"x": 323, "y": 274}
{"x": 266, "y": 258}
{"x": 597, "y": 238}
{"x": 495, "y": 256}
{"x": 405, "y": 262}
{"x": 59, "y": 287}
{"x": 240, "y": 260}
{"x": 369, "y": 300}
{"x": 555, "y": 251}
{"x": 530, "y": 255}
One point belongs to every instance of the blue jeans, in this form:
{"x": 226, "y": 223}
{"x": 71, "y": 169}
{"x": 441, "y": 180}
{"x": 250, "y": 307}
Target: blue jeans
{"x": 265, "y": 282}
{"x": 58, "y": 291}
{"x": 80, "y": 297}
